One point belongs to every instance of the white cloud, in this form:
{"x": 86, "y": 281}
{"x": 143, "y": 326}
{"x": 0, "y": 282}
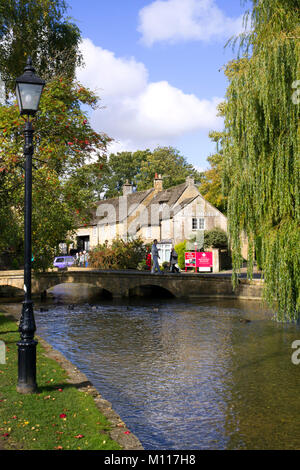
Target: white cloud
{"x": 185, "y": 20}
{"x": 138, "y": 113}
{"x": 109, "y": 75}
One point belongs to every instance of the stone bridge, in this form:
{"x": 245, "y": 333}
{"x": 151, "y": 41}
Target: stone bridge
{"x": 118, "y": 284}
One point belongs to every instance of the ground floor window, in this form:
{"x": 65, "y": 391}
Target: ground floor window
{"x": 164, "y": 252}
{"x": 83, "y": 243}
{"x": 63, "y": 248}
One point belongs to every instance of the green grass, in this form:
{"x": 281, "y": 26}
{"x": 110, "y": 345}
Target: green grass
{"x": 33, "y": 421}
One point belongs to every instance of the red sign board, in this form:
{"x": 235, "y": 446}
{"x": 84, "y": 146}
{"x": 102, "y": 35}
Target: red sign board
{"x": 198, "y": 259}
{"x": 204, "y": 260}
{"x": 190, "y": 260}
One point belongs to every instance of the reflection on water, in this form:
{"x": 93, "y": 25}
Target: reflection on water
{"x": 186, "y": 376}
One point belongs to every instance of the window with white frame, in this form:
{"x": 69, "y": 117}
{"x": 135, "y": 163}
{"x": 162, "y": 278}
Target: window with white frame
{"x": 198, "y": 223}
{"x": 201, "y": 223}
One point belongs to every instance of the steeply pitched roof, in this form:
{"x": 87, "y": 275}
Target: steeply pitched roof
{"x": 114, "y": 210}
{"x": 169, "y": 196}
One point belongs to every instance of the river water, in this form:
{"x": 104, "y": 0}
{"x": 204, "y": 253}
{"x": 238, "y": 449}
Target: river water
{"x": 195, "y": 375}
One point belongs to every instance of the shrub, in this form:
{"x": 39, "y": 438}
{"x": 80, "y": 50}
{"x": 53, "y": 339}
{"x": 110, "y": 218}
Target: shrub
{"x": 15, "y": 264}
{"x": 165, "y": 266}
{"x": 142, "y": 266}
{"x": 180, "y": 249}
{"x": 215, "y": 238}
{"x": 120, "y": 254}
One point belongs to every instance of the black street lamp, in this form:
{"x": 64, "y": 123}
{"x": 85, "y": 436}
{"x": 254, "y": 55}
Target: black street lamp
{"x": 29, "y": 88}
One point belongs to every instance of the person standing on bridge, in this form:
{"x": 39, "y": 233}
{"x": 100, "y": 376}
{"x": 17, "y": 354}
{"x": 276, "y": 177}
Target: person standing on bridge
{"x": 173, "y": 261}
{"x": 155, "y": 256}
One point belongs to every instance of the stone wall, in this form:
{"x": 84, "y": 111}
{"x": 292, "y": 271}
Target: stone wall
{"x": 120, "y": 283}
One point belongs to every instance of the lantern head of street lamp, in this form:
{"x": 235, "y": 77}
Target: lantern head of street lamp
{"x": 29, "y": 89}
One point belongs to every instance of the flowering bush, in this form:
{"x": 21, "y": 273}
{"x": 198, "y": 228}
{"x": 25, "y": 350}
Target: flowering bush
{"x": 120, "y": 254}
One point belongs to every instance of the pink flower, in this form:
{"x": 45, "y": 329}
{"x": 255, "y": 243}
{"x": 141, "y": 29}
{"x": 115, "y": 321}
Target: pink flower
{"x": 127, "y": 432}
{"x": 62, "y": 415}
{"x": 79, "y": 436}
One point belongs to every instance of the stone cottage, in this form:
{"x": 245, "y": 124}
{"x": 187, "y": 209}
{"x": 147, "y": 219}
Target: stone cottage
{"x": 169, "y": 215}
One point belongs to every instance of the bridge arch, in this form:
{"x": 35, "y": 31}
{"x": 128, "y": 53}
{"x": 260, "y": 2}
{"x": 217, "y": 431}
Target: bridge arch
{"x": 150, "y": 290}
{"x": 11, "y": 291}
{"x": 82, "y": 288}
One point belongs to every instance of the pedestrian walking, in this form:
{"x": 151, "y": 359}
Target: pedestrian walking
{"x": 173, "y": 261}
{"x": 81, "y": 259}
{"x": 155, "y": 256}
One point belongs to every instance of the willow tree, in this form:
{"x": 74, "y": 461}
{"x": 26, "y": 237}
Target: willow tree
{"x": 261, "y": 151}
{"x": 211, "y": 186}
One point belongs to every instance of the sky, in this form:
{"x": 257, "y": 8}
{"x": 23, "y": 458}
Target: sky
{"x": 157, "y": 67}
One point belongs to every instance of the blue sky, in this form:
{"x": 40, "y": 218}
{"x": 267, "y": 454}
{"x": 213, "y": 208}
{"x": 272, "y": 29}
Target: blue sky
{"x": 155, "y": 64}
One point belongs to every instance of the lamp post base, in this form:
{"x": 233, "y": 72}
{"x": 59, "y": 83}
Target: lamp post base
{"x": 27, "y": 367}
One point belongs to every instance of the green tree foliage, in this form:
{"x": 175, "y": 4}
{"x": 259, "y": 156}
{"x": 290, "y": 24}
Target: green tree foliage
{"x": 168, "y": 162}
{"x": 120, "y": 254}
{"x": 215, "y": 238}
{"x": 67, "y": 153}
{"x": 261, "y": 152}
{"x": 123, "y": 166}
{"x": 211, "y": 186}
{"x": 140, "y": 167}
{"x": 180, "y": 249}
{"x": 38, "y": 28}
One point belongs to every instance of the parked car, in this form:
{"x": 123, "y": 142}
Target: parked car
{"x": 63, "y": 261}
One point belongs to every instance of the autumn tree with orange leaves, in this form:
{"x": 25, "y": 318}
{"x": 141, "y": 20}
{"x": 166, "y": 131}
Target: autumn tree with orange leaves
{"x": 67, "y": 164}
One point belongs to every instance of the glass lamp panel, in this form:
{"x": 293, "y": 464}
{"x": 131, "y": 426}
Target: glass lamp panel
{"x": 29, "y": 96}
{"x": 18, "y": 98}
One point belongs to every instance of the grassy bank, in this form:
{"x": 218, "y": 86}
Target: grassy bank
{"x": 58, "y": 416}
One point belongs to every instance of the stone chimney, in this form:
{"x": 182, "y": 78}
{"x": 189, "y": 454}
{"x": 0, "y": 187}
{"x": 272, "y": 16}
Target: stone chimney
{"x": 190, "y": 181}
{"x": 158, "y": 182}
{"x": 127, "y": 188}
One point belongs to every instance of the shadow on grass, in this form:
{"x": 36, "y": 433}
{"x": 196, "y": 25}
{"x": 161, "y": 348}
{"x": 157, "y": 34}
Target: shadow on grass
{"x": 6, "y": 332}
{"x": 6, "y": 318}
{"x": 64, "y": 385}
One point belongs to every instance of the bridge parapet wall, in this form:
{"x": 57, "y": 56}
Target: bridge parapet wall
{"x": 119, "y": 283}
